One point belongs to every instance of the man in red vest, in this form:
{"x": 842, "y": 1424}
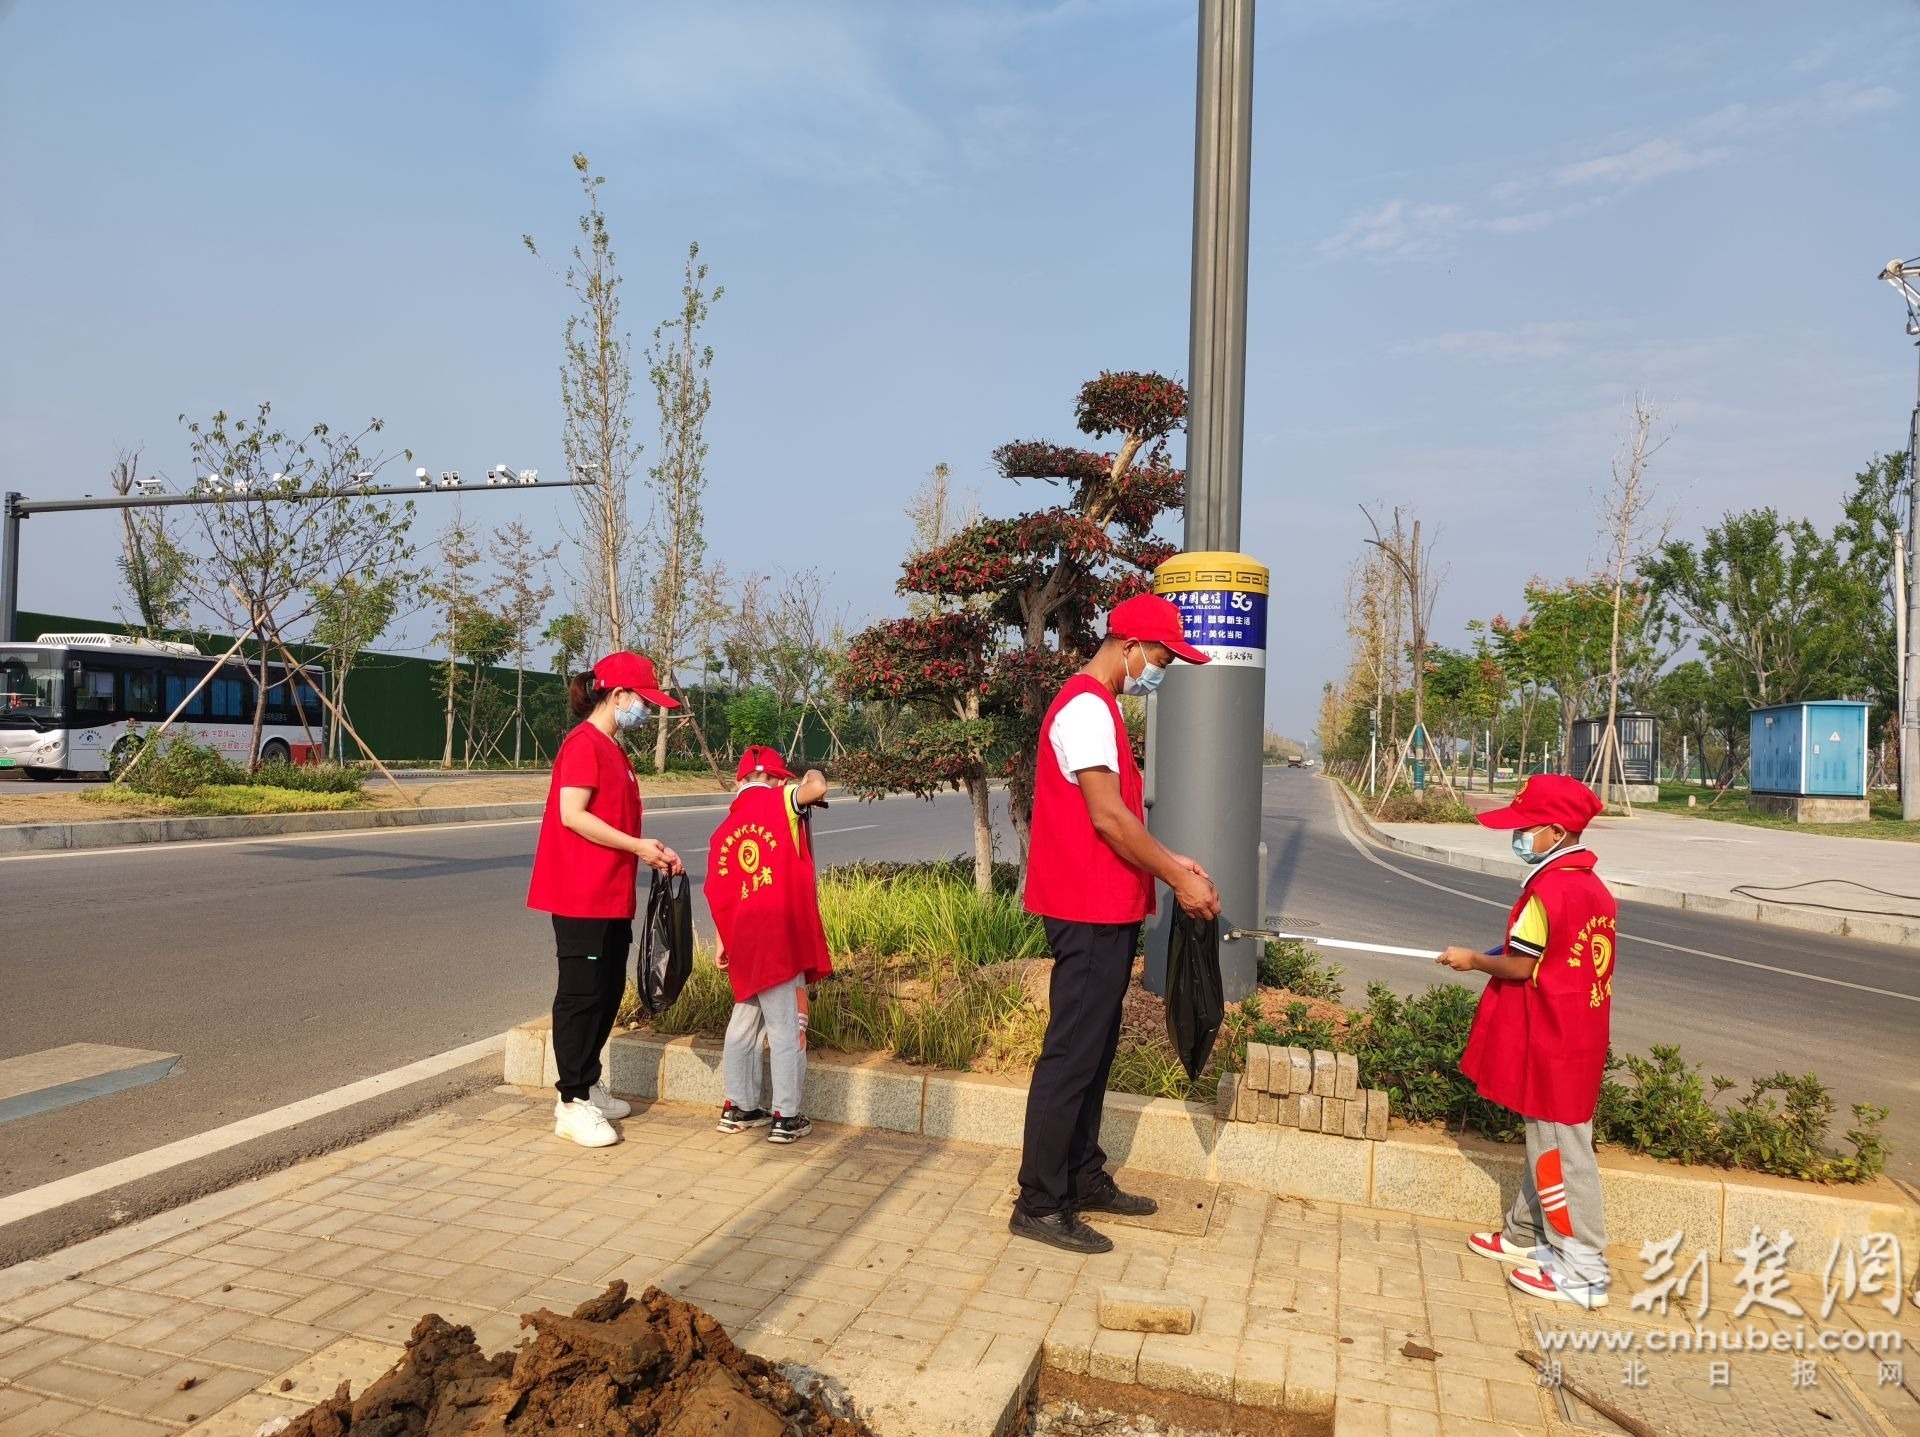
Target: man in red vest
{"x": 1539, "y": 1041}
{"x": 1091, "y": 867}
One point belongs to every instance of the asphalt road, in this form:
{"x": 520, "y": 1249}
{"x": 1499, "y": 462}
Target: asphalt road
{"x": 285, "y": 968}
{"x": 1682, "y": 978}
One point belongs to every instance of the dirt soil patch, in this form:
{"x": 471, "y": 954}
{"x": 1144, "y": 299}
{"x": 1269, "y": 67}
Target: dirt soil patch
{"x": 1064, "y": 1405}
{"x": 617, "y": 1367}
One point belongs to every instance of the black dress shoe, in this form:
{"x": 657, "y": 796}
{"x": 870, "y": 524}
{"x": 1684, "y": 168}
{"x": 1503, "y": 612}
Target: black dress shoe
{"x": 1107, "y": 1197}
{"x": 1059, "y": 1229}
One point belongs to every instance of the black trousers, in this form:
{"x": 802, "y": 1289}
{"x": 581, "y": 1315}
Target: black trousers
{"x": 1061, "y": 1157}
{"x": 592, "y": 954}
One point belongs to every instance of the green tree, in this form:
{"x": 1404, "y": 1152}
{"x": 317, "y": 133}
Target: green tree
{"x": 1864, "y": 582}
{"x": 1566, "y": 636}
{"x": 1761, "y": 596}
{"x": 521, "y": 588}
{"x": 291, "y": 511}
{"x": 596, "y": 383}
{"x": 152, "y": 564}
{"x": 677, "y": 363}
{"x": 350, "y": 614}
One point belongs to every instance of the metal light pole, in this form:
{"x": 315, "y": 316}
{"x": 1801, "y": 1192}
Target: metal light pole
{"x": 1901, "y": 274}
{"x": 1209, "y": 720}
{"x": 17, "y": 508}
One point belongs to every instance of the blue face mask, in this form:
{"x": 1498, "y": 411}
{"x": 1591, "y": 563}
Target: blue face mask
{"x": 1523, "y": 847}
{"x": 631, "y": 717}
{"x": 1148, "y": 681}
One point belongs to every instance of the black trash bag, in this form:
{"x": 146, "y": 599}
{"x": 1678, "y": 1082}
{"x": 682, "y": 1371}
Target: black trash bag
{"x": 666, "y": 943}
{"x": 1195, "y": 1007}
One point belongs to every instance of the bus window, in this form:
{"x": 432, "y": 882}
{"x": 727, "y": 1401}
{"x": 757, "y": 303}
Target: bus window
{"x": 142, "y": 692}
{"x": 93, "y": 691}
{"x": 30, "y": 685}
{"x": 310, "y": 703}
{"x": 178, "y": 686}
{"x": 230, "y": 698}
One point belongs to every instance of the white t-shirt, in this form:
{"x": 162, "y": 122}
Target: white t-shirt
{"x": 1083, "y": 737}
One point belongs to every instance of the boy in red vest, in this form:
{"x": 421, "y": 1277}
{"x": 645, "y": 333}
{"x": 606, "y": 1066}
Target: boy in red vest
{"x": 1090, "y": 871}
{"x": 760, "y": 886}
{"x": 1539, "y": 1041}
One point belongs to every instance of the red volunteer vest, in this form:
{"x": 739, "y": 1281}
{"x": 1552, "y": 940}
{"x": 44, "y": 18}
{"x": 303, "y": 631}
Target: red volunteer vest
{"x": 1539, "y": 1045}
{"x": 760, "y": 886}
{"x": 1071, "y": 873}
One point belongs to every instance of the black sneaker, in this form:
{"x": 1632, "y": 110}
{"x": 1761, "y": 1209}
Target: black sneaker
{"x": 1108, "y": 1198}
{"x": 736, "y": 1119}
{"x": 788, "y": 1130}
{"x": 1063, "y": 1230}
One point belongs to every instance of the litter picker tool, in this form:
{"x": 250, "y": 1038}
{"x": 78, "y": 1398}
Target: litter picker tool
{"x": 1350, "y": 944}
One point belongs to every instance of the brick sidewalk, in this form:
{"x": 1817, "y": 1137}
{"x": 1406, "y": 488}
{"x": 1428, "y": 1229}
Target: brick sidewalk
{"x": 880, "y": 1259}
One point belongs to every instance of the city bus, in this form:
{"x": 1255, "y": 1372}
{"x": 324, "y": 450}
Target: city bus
{"x": 69, "y": 704}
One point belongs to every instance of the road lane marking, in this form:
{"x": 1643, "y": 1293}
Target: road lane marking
{"x": 46, "y": 1197}
{"x": 1367, "y": 853}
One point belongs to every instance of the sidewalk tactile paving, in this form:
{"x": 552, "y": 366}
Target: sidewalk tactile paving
{"x": 882, "y": 1261}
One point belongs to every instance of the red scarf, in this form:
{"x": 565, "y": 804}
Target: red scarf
{"x": 1539, "y": 1044}
{"x": 760, "y": 886}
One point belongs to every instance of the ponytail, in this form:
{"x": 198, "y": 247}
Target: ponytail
{"x": 582, "y": 695}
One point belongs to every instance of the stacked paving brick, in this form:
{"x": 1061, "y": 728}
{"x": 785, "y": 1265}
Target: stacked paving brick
{"x": 1317, "y": 1092}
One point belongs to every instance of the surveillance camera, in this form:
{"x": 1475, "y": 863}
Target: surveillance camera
{"x": 419, "y": 473}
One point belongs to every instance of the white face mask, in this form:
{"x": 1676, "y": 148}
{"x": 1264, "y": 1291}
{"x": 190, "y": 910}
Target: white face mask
{"x": 1150, "y": 676}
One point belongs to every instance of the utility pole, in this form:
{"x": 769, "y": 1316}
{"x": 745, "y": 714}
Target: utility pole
{"x": 1210, "y": 719}
{"x": 1901, "y": 274}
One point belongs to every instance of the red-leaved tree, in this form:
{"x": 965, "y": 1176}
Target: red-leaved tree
{"x": 1021, "y": 599}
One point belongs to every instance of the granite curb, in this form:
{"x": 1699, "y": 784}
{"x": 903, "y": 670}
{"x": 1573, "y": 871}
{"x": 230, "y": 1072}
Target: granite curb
{"x": 1420, "y": 1172}
{"x": 1870, "y": 928}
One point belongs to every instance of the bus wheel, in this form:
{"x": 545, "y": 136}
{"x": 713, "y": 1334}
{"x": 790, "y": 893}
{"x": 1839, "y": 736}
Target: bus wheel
{"x": 120, "y": 755}
{"x": 274, "y": 751}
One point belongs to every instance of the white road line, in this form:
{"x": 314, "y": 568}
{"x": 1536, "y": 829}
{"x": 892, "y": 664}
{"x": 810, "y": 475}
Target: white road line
{"x": 48, "y": 1196}
{"x": 196, "y": 845}
{"x": 1367, "y": 853}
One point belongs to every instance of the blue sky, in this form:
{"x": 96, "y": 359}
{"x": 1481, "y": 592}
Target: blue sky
{"x": 1477, "y": 228}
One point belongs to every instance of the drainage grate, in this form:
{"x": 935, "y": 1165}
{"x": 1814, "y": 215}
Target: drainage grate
{"x": 1290, "y": 923}
{"x": 1680, "y": 1399}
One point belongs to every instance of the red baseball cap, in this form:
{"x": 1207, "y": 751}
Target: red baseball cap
{"x": 632, "y": 671}
{"x": 760, "y": 759}
{"x": 1547, "y": 798}
{"x": 1152, "y": 620}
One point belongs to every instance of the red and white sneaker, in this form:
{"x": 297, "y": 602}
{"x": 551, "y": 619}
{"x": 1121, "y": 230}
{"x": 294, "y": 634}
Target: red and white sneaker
{"x": 1544, "y": 1285}
{"x": 1493, "y": 1245}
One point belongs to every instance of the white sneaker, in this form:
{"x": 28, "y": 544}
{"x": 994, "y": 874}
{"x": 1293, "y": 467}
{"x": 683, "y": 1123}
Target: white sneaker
{"x": 609, "y": 1106}
{"x": 584, "y": 1123}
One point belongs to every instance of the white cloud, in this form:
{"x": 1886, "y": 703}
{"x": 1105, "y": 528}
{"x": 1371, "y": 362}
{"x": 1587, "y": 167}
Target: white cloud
{"x": 1405, "y": 228}
{"x": 830, "y": 94}
{"x": 1650, "y": 160}
{"x": 1399, "y": 229}
{"x": 1526, "y": 342}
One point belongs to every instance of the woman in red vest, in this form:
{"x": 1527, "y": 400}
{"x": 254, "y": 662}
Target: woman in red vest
{"x": 1091, "y": 867}
{"x": 589, "y": 853}
{"x": 1539, "y": 1041}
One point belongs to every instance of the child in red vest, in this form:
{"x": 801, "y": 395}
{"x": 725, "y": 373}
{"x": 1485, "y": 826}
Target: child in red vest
{"x": 760, "y": 886}
{"x": 1539, "y": 1041}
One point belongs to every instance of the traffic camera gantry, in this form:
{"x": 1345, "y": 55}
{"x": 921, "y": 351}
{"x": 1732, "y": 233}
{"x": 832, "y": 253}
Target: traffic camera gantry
{"x": 275, "y": 489}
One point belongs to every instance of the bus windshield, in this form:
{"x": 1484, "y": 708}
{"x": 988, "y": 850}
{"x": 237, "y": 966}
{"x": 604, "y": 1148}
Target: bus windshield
{"x": 32, "y": 688}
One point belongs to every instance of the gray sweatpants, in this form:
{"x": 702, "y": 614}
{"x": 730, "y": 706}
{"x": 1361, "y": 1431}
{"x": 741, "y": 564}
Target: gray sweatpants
{"x": 772, "y": 1013}
{"x": 1558, "y": 1205}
